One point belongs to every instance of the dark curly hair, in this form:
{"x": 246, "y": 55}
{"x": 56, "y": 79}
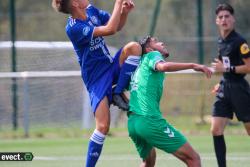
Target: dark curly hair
{"x": 224, "y": 6}
{"x": 62, "y": 6}
{"x": 143, "y": 42}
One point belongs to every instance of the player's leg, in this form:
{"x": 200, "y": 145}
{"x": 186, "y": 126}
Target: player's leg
{"x": 127, "y": 69}
{"x": 247, "y": 126}
{"x": 187, "y": 154}
{"x": 128, "y": 60}
{"x": 160, "y": 134}
{"x": 102, "y": 116}
{"x": 241, "y": 103}
{"x": 222, "y": 112}
{"x": 130, "y": 49}
{"x": 102, "y": 119}
{"x": 137, "y": 126}
{"x": 150, "y": 160}
{"x": 164, "y": 136}
{"x": 218, "y": 125}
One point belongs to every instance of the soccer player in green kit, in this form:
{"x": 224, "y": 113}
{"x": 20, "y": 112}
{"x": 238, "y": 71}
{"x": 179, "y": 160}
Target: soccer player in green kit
{"x": 146, "y": 125}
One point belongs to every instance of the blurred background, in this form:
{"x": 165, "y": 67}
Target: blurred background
{"x": 30, "y": 104}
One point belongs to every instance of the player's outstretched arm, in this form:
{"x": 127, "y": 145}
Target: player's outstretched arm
{"x": 204, "y": 69}
{"x": 111, "y": 27}
{"x": 174, "y": 66}
{"x": 126, "y": 9}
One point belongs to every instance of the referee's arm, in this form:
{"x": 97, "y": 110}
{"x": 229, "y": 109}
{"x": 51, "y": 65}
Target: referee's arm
{"x": 243, "y": 69}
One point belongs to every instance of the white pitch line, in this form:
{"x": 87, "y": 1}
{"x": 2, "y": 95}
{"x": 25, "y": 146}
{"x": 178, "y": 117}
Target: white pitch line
{"x": 135, "y": 157}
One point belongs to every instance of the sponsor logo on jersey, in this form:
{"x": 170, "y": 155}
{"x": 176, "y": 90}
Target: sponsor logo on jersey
{"x": 97, "y": 43}
{"x": 244, "y": 49}
{"x": 169, "y": 132}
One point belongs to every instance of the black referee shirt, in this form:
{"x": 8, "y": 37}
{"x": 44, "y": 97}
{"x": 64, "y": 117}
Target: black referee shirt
{"x": 232, "y": 50}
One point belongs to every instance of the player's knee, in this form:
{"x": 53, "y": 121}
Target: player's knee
{"x": 216, "y": 131}
{"x": 193, "y": 160}
{"x": 103, "y": 128}
{"x": 133, "y": 48}
{"x": 196, "y": 158}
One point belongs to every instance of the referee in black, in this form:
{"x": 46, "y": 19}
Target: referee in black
{"x": 233, "y": 92}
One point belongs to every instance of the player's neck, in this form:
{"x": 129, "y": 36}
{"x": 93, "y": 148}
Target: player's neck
{"x": 79, "y": 14}
{"x": 225, "y": 33}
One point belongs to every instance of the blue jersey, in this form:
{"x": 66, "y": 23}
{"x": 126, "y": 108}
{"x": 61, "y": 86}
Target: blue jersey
{"x": 92, "y": 53}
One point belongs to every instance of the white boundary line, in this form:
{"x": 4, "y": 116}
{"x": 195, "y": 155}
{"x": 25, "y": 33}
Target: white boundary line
{"x": 49, "y": 74}
{"x": 36, "y": 44}
{"x": 40, "y": 45}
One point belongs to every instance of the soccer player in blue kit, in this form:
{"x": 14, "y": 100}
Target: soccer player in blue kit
{"x": 86, "y": 27}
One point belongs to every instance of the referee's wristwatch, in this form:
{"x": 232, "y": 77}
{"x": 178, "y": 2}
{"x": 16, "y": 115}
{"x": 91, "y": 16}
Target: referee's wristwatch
{"x": 231, "y": 69}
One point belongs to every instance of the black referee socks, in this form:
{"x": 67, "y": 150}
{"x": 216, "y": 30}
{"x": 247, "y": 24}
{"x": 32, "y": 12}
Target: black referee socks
{"x": 220, "y": 150}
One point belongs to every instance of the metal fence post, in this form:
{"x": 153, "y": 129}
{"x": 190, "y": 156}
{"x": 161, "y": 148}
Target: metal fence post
{"x": 26, "y": 106}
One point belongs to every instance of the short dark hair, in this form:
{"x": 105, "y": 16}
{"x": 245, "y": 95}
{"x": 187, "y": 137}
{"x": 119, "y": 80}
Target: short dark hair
{"x": 143, "y": 42}
{"x": 224, "y": 6}
{"x": 62, "y": 6}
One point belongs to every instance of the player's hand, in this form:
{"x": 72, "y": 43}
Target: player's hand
{"x": 218, "y": 66}
{"x": 204, "y": 69}
{"x": 215, "y": 88}
{"x": 127, "y": 6}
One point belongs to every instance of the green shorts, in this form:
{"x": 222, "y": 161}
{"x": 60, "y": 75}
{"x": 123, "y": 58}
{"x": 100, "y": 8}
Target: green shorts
{"x": 147, "y": 132}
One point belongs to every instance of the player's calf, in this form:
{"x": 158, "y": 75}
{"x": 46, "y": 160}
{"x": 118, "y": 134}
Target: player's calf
{"x": 188, "y": 155}
{"x": 150, "y": 160}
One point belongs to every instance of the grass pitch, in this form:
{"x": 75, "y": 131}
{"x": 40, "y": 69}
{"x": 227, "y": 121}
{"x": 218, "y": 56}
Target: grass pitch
{"x": 118, "y": 152}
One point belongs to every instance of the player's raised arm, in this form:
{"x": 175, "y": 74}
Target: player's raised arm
{"x": 112, "y": 26}
{"x": 126, "y": 8}
{"x": 173, "y": 66}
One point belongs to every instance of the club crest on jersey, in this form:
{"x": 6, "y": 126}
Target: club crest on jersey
{"x": 85, "y": 31}
{"x": 244, "y": 49}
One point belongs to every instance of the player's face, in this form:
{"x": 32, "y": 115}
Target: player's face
{"x": 155, "y": 44}
{"x": 82, "y": 4}
{"x": 225, "y": 20}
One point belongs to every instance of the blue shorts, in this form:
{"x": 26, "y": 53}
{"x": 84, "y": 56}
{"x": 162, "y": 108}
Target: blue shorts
{"x": 103, "y": 86}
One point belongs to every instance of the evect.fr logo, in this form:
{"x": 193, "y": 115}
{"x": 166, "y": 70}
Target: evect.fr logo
{"x": 16, "y": 156}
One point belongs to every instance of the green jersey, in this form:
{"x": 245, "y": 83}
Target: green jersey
{"x": 146, "y": 86}
{"x": 147, "y": 128}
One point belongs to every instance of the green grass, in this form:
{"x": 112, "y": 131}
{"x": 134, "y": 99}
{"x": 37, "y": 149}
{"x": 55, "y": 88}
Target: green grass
{"x": 117, "y": 152}
{"x": 66, "y": 147}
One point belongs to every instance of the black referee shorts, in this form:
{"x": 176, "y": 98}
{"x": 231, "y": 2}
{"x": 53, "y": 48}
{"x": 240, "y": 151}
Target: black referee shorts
{"x": 233, "y": 97}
